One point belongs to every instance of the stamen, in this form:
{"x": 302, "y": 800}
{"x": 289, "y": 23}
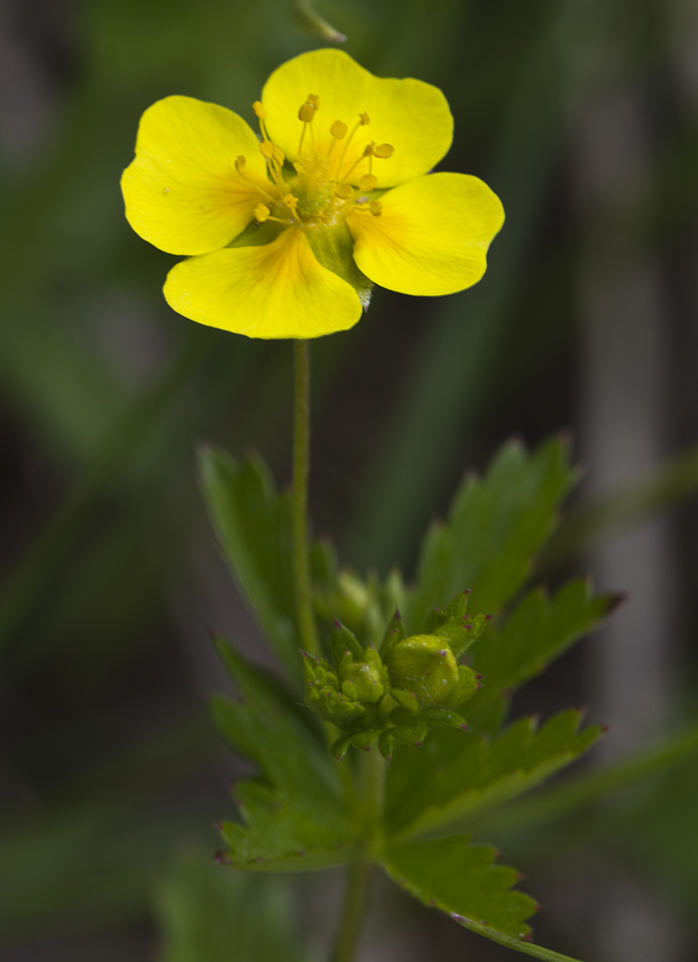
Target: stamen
{"x": 361, "y": 122}
{"x": 368, "y": 152}
{"x": 367, "y": 182}
{"x": 383, "y": 151}
{"x": 306, "y": 113}
{"x": 261, "y": 113}
{"x": 338, "y": 129}
{"x": 271, "y": 153}
{"x": 240, "y": 164}
{"x": 263, "y": 214}
{"x": 317, "y": 174}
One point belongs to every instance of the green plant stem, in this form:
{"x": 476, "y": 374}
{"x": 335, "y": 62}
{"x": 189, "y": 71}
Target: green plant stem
{"x": 372, "y": 794}
{"x": 370, "y": 797}
{"x": 301, "y": 471}
{"x": 353, "y": 910}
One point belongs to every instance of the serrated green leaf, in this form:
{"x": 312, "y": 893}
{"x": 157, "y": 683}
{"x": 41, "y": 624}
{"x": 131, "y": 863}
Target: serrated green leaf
{"x": 456, "y": 775}
{"x": 495, "y": 527}
{"x": 269, "y": 728}
{"x": 294, "y": 818}
{"x": 588, "y": 788}
{"x": 539, "y": 629}
{"x": 460, "y": 878}
{"x": 253, "y": 523}
{"x": 281, "y": 835}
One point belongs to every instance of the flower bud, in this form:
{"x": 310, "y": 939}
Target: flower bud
{"x": 366, "y": 680}
{"x": 424, "y": 664}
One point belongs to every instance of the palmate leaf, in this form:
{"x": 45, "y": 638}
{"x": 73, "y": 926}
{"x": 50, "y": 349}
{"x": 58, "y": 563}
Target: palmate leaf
{"x": 495, "y": 527}
{"x": 294, "y": 816}
{"x": 253, "y": 523}
{"x": 455, "y": 775}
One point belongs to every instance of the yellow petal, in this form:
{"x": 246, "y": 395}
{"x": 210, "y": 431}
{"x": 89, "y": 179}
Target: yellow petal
{"x": 271, "y": 290}
{"x": 411, "y": 115}
{"x": 431, "y": 236}
{"x": 182, "y": 191}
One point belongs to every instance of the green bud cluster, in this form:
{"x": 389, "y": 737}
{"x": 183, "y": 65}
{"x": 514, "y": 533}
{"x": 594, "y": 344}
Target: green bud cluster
{"x": 398, "y": 692}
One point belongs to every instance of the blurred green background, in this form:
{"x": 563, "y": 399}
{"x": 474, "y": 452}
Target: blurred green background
{"x": 581, "y": 114}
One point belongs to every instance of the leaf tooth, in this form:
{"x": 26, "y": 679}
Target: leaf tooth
{"x": 461, "y": 919}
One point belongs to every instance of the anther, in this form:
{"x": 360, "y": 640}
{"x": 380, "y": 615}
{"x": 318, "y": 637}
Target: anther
{"x": 306, "y": 112}
{"x": 314, "y": 100}
{"x": 364, "y": 119}
{"x": 376, "y": 208}
{"x": 290, "y": 201}
{"x": 344, "y": 191}
{"x": 240, "y": 162}
{"x": 278, "y": 155}
{"x": 259, "y": 109}
{"x": 267, "y": 149}
{"x": 383, "y": 150}
{"x": 367, "y": 182}
{"x": 338, "y": 129}
{"x": 261, "y": 213}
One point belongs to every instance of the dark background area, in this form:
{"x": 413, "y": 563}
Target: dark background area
{"x": 582, "y": 116}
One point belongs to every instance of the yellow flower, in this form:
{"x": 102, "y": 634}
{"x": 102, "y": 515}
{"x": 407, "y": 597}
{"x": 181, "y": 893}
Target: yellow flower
{"x": 288, "y": 232}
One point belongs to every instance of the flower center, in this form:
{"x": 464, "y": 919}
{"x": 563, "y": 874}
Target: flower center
{"x": 331, "y": 176}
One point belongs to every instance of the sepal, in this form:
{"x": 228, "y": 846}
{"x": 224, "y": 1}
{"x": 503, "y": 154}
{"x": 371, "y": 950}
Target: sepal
{"x": 342, "y": 643}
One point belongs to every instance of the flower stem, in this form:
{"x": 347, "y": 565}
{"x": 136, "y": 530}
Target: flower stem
{"x": 353, "y": 910}
{"x": 301, "y": 471}
{"x": 370, "y": 798}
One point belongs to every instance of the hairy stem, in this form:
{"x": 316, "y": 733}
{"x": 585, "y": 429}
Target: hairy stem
{"x": 301, "y": 471}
